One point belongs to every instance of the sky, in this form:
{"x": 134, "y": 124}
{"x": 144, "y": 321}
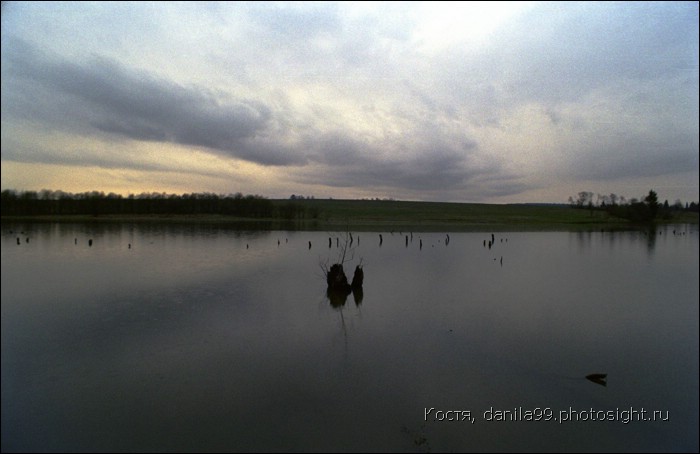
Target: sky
{"x": 482, "y": 102}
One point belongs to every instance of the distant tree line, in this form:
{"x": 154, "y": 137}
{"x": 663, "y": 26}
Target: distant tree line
{"x": 636, "y": 210}
{"x": 47, "y": 202}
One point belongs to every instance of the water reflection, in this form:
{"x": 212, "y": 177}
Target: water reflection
{"x": 338, "y": 298}
{"x": 182, "y": 343}
{"x": 649, "y": 236}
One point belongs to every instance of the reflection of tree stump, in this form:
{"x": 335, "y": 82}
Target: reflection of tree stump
{"x": 358, "y": 278}
{"x": 337, "y": 298}
{"x": 358, "y": 294}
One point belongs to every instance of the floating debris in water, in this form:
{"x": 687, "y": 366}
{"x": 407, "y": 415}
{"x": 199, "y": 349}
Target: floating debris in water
{"x": 600, "y": 379}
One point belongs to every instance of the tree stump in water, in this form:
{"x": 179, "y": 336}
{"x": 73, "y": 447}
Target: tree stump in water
{"x": 337, "y": 280}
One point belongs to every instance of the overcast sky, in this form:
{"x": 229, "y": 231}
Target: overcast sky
{"x": 476, "y": 102}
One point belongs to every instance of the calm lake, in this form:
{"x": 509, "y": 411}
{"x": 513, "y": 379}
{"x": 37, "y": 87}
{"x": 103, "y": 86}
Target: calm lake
{"x": 200, "y": 338}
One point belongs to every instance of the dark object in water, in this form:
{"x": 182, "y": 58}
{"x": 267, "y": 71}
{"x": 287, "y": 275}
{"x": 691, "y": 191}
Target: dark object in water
{"x": 337, "y": 281}
{"x": 358, "y": 277}
{"x": 358, "y": 294}
{"x": 600, "y": 379}
{"x": 90, "y": 243}
{"x": 337, "y": 298}
{"x": 338, "y": 287}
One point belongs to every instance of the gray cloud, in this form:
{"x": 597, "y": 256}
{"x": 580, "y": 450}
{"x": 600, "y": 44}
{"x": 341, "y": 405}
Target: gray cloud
{"x": 423, "y": 164}
{"x": 630, "y": 156}
{"x": 296, "y": 22}
{"x": 138, "y": 106}
{"x": 560, "y": 52}
{"x": 132, "y": 104}
{"x": 350, "y": 96}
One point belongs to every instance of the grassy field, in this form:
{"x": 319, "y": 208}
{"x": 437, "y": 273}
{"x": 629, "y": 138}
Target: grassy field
{"x": 369, "y": 214}
{"x": 394, "y": 215}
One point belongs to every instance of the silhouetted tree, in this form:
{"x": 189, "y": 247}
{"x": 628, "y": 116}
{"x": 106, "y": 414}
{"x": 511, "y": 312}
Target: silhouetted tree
{"x": 652, "y": 202}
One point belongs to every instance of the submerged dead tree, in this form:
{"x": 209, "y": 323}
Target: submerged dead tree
{"x": 338, "y": 285}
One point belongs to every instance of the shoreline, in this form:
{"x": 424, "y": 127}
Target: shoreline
{"x": 506, "y": 223}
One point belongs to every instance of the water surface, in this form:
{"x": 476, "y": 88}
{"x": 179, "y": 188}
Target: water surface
{"x": 198, "y": 338}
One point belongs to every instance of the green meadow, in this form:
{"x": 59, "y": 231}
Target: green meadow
{"x": 388, "y": 215}
{"x": 426, "y": 216}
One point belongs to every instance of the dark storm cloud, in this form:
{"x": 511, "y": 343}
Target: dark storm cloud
{"x": 136, "y": 105}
